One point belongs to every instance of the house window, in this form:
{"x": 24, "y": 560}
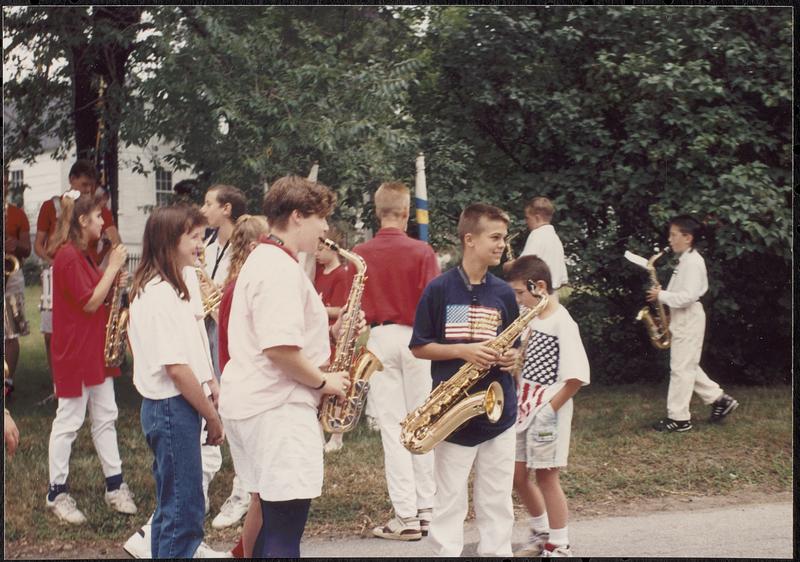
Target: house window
{"x": 163, "y": 187}
{"x": 15, "y": 187}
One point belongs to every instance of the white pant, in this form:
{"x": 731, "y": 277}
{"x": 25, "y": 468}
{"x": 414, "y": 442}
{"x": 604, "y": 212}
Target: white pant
{"x": 403, "y": 385}
{"x": 491, "y": 491}
{"x": 211, "y": 456}
{"x": 69, "y": 418}
{"x": 688, "y": 326}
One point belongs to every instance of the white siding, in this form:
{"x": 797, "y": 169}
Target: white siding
{"x": 47, "y": 177}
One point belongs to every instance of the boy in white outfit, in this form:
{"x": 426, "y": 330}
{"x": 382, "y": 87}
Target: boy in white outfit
{"x": 543, "y": 240}
{"x": 687, "y": 324}
{"x": 555, "y": 367}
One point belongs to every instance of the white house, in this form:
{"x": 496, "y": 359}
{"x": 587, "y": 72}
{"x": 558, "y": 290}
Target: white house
{"x": 46, "y": 177}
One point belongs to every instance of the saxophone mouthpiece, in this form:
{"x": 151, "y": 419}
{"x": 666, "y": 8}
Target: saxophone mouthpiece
{"x": 329, "y": 243}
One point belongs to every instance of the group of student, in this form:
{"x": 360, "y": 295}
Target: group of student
{"x": 254, "y": 372}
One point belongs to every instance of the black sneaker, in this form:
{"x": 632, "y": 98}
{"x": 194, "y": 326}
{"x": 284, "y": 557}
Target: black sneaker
{"x": 672, "y": 425}
{"x": 723, "y": 406}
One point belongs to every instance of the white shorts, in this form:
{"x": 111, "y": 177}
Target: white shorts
{"x": 545, "y": 444}
{"x": 278, "y": 453}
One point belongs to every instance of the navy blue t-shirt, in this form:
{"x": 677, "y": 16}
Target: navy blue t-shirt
{"x": 450, "y": 313}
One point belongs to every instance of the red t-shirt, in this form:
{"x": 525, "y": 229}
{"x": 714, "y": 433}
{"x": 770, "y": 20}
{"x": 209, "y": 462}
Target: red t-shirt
{"x": 398, "y": 270}
{"x": 17, "y": 225}
{"x": 222, "y": 325}
{"x": 332, "y": 287}
{"x": 78, "y": 339}
{"x": 47, "y": 220}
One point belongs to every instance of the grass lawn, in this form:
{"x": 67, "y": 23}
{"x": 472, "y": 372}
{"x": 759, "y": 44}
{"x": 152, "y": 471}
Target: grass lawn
{"x": 615, "y": 458}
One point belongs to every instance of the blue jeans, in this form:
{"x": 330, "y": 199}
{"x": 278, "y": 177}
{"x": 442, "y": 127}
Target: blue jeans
{"x": 172, "y": 430}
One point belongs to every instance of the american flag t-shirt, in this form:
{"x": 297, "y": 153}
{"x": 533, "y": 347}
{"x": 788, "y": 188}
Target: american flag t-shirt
{"x": 471, "y": 322}
{"x": 538, "y": 373}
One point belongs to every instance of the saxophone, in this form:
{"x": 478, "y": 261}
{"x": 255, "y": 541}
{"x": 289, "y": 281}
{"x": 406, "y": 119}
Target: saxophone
{"x": 339, "y": 415}
{"x": 212, "y": 296}
{"x": 116, "y": 327}
{"x": 449, "y": 405}
{"x": 657, "y": 327}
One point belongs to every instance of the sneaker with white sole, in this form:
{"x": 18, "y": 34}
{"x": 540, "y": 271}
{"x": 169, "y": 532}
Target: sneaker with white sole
{"x": 121, "y": 500}
{"x": 138, "y": 545}
{"x": 231, "y": 512}
{"x": 556, "y": 551}
{"x": 66, "y": 509}
{"x": 205, "y": 551}
{"x": 424, "y": 516}
{"x": 334, "y": 443}
{"x": 721, "y": 407}
{"x": 400, "y": 529}
{"x": 535, "y": 544}
{"x": 670, "y": 425}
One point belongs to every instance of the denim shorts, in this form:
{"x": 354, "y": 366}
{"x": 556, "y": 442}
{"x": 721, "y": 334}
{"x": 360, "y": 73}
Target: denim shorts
{"x": 545, "y": 444}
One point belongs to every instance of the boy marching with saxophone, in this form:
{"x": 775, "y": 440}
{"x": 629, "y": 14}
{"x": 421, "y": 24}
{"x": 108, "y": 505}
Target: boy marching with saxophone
{"x": 689, "y": 282}
{"x": 459, "y": 312}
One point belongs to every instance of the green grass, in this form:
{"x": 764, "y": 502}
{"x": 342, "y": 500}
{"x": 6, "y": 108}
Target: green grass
{"x": 615, "y": 458}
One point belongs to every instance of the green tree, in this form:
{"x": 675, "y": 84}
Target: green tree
{"x": 293, "y": 86}
{"x": 60, "y": 57}
{"x": 625, "y": 116}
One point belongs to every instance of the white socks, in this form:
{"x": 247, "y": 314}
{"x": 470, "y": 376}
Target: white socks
{"x": 540, "y": 522}
{"x": 559, "y": 537}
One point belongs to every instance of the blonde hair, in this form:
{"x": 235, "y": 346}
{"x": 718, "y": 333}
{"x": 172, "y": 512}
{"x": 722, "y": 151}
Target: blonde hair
{"x": 541, "y": 206}
{"x": 392, "y": 199}
{"x": 249, "y": 228}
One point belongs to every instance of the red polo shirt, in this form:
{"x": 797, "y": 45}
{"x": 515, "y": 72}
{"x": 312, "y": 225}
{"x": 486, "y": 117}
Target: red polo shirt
{"x": 332, "y": 287}
{"x": 78, "y": 339}
{"x": 47, "y": 220}
{"x": 17, "y": 225}
{"x": 398, "y": 269}
{"x": 222, "y": 325}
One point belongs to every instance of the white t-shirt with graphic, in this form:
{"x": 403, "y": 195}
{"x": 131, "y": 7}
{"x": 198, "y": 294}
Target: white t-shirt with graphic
{"x": 554, "y": 353}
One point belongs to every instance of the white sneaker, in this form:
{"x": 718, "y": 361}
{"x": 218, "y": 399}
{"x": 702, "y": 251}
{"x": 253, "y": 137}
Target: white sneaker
{"x": 556, "y": 551}
{"x": 334, "y": 443}
{"x": 205, "y": 551}
{"x": 138, "y": 545}
{"x": 231, "y": 512}
{"x": 399, "y": 529}
{"x": 66, "y": 509}
{"x": 535, "y": 544}
{"x": 121, "y": 500}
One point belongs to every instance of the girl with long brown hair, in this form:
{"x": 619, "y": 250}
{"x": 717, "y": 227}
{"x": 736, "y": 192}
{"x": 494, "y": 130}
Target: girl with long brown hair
{"x": 173, "y": 373}
{"x": 80, "y": 376}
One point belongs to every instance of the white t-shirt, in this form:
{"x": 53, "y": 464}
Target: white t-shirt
{"x": 218, "y": 252}
{"x": 554, "y": 353}
{"x": 544, "y": 242}
{"x": 688, "y": 283}
{"x": 164, "y": 330}
{"x": 274, "y": 304}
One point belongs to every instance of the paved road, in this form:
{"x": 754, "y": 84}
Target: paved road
{"x": 747, "y": 531}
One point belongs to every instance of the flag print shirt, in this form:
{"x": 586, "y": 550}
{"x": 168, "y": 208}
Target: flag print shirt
{"x": 450, "y": 311}
{"x": 553, "y": 354}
